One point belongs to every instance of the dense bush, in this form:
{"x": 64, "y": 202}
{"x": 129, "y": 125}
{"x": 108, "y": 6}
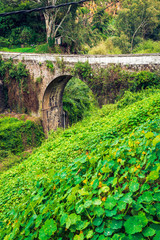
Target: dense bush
{"x": 109, "y": 84}
{"x": 131, "y": 97}
{"x": 97, "y": 180}
{"x": 17, "y": 136}
{"x": 148, "y": 46}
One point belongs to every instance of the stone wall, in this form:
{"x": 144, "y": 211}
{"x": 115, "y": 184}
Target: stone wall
{"x": 2, "y": 101}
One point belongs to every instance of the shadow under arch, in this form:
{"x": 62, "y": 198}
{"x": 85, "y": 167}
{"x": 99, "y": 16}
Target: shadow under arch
{"x": 52, "y": 105}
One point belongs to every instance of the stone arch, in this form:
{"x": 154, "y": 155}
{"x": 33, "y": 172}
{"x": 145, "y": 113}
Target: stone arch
{"x": 52, "y": 105}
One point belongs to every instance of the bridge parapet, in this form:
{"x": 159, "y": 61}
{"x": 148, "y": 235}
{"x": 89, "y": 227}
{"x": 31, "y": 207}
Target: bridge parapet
{"x": 103, "y": 60}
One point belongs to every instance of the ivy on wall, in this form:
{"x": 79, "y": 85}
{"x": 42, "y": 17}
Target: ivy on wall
{"x": 20, "y": 90}
{"x": 109, "y": 84}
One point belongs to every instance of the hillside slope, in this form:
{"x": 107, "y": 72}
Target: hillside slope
{"x": 96, "y": 180}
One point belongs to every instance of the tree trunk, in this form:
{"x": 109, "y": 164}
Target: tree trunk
{"x": 50, "y": 24}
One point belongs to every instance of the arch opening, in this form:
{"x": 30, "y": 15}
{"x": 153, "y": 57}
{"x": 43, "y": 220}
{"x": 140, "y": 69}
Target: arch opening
{"x": 52, "y": 105}
{"x": 78, "y": 101}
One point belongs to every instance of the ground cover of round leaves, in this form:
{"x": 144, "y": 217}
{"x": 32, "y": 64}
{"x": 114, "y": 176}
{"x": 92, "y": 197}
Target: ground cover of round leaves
{"x": 106, "y": 186}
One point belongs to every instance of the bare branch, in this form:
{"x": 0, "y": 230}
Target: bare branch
{"x": 62, "y": 20}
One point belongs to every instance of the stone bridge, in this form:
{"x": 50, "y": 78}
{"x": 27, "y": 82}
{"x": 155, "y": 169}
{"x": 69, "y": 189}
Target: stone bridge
{"x": 53, "y": 82}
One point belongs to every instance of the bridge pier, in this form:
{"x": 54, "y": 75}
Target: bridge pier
{"x": 2, "y": 99}
{"x": 52, "y": 105}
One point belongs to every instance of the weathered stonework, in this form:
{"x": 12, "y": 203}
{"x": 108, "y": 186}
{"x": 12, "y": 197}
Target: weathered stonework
{"x": 2, "y": 102}
{"x": 53, "y": 82}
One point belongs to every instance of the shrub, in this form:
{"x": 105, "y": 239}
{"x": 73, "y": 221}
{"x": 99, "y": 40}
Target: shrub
{"x": 148, "y": 46}
{"x": 16, "y": 135}
{"x": 105, "y": 47}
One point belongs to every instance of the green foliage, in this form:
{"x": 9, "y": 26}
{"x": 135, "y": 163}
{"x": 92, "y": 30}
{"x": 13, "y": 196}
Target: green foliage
{"x": 148, "y": 46}
{"x": 39, "y": 79}
{"x": 8, "y": 159}
{"x": 21, "y": 28}
{"x": 78, "y": 100}
{"x": 95, "y": 180}
{"x": 17, "y": 135}
{"x": 105, "y": 47}
{"x": 109, "y": 84}
{"x": 50, "y": 66}
{"x": 131, "y": 97}
{"x": 60, "y": 63}
{"x": 132, "y": 23}
{"x": 83, "y": 70}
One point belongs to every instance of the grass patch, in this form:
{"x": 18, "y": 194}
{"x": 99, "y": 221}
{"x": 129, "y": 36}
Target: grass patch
{"x": 43, "y": 48}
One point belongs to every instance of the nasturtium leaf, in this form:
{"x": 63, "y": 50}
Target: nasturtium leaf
{"x": 95, "y": 237}
{"x": 115, "y": 224}
{"x": 110, "y": 213}
{"x": 97, "y": 202}
{"x": 134, "y": 186}
{"x": 136, "y": 223}
{"x": 146, "y": 197}
{"x": 79, "y": 237}
{"x": 83, "y": 192}
{"x": 121, "y": 205}
{"x": 105, "y": 189}
{"x": 99, "y": 211}
{"x": 144, "y": 187}
{"x": 157, "y": 236}
{"x": 156, "y": 140}
{"x": 110, "y": 203}
{"x": 81, "y": 225}
{"x": 87, "y": 204}
{"x": 79, "y": 209}
{"x": 106, "y": 169}
{"x": 89, "y": 234}
{"x": 49, "y": 228}
{"x": 127, "y": 198}
{"x": 153, "y": 175}
{"x": 133, "y": 161}
{"x": 116, "y": 237}
{"x": 157, "y": 206}
{"x": 148, "y": 232}
{"x": 101, "y": 237}
{"x": 117, "y": 196}
{"x": 149, "y": 135}
{"x": 38, "y": 221}
{"x": 132, "y": 225}
{"x": 157, "y": 196}
{"x": 42, "y": 235}
{"x": 74, "y": 218}
{"x": 108, "y": 232}
{"x": 118, "y": 216}
{"x": 137, "y": 236}
{"x": 68, "y": 222}
{"x": 100, "y": 229}
{"x": 63, "y": 219}
{"x": 137, "y": 206}
{"x": 114, "y": 182}
{"x": 95, "y": 184}
{"x": 97, "y": 221}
